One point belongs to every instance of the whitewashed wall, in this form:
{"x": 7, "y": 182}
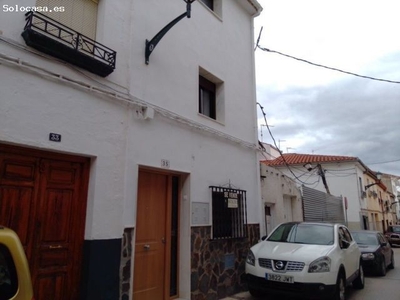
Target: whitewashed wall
{"x": 106, "y": 129}
{"x": 276, "y": 188}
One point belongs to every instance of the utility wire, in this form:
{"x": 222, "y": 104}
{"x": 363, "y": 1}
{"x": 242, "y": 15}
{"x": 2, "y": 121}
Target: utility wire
{"x": 279, "y": 150}
{"x": 258, "y": 39}
{"x": 383, "y": 162}
{"x": 326, "y": 67}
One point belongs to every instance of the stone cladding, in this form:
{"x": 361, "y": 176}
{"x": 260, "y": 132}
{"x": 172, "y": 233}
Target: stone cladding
{"x": 217, "y": 266}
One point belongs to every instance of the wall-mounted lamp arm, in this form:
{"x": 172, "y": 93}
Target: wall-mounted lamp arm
{"x": 150, "y": 45}
{"x": 369, "y": 185}
{"x": 378, "y": 177}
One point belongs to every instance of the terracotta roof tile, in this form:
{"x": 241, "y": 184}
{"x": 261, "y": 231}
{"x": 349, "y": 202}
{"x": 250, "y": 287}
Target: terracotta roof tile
{"x": 295, "y": 159}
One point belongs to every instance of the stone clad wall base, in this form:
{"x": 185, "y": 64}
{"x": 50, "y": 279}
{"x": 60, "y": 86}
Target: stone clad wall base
{"x": 125, "y": 269}
{"x": 217, "y": 266}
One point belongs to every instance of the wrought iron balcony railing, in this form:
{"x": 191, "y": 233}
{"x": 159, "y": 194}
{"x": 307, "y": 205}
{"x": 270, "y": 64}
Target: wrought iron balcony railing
{"x": 47, "y": 35}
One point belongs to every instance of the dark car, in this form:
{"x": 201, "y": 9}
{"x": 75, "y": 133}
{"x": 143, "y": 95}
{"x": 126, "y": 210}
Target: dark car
{"x": 377, "y": 254}
{"x": 393, "y": 235}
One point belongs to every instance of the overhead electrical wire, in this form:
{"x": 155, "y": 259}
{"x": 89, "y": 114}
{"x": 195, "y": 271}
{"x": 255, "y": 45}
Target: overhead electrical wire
{"x": 384, "y": 162}
{"x": 319, "y": 65}
{"x": 326, "y": 67}
{"x": 340, "y": 170}
{"x": 341, "y": 174}
{"x": 322, "y": 66}
{"x": 279, "y": 150}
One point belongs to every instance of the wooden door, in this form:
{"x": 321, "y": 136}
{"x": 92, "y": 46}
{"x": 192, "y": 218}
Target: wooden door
{"x": 57, "y": 231}
{"x": 18, "y": 188}
{"x": 151, "y": 237}
{"x": 44, "y": 201}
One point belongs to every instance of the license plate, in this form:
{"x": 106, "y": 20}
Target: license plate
{"x": 278, "y": 277}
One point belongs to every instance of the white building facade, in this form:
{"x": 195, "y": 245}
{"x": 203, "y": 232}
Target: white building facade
{"x": 392, "y": 183}
{"x": 344, "y": 176}
{"x": 113, "y": 171}
{"x": 281, "y": 198}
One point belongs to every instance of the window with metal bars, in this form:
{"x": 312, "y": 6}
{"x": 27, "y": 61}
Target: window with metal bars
{"x": 229, "y": 215}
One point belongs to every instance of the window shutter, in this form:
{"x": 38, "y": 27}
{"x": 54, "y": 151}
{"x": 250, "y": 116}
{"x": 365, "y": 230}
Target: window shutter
{"x": 80, "y": 15}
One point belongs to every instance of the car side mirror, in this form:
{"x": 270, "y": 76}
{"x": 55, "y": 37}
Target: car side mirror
{"x": 264, "y": 238}
{"x": 345, "y": 244}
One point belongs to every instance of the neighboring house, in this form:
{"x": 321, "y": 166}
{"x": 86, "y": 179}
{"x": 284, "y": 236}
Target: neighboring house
{"x": 339, "y": 175}
{"x": 285, "y": 201}
{"x": 268, "y": 152}
{"x": 281, "y": 199}
{"x": 392, "y": 183}
{"x": 125, "y": 176}
{"x": 374, "y": 213}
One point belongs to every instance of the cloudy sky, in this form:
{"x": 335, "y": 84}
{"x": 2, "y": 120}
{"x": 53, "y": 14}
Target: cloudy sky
{"x": 317, "y": 110}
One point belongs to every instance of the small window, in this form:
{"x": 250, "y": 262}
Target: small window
{"x": 209, "y": 3}
{"x": 207, "y": 104}
{"x": 267, "y": 211}
{"x": 211, "y": 96}
{"x": 8, "y": 274}
{"x": 229, "y": 218}
{"x": 214, "y": 5}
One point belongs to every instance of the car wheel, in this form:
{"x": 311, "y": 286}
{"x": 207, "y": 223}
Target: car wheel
{"x": 358, "y": 283}
{"x": 391, "y": 266}
{"x": 382, "y": 268}
{"x": 255, "y": 293}
{"x": 340, "y": 291}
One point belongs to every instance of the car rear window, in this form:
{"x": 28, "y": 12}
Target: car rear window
{"x": 8, "y": 274}
{"x": 396, "y": 229}
{"x": 313, "y": 234}
{"x": 366, "y": 238}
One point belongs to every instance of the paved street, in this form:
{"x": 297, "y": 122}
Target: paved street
{"x": 375, "y": 287}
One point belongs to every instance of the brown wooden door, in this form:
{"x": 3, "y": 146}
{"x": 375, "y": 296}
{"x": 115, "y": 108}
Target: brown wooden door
{"x": 151, "y": 237}
{"x": 58, "y": 232}
{"x": 44, "y": 201}
{"x": 18, "y": 188}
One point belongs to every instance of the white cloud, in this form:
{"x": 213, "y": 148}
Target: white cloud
{"x": 322, "y": 111}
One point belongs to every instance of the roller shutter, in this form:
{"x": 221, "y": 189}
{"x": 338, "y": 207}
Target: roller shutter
{"x": 80, "y": 15}
{"x": 321, "y": 207}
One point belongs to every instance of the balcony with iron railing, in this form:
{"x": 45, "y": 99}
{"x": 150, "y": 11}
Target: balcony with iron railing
{"x": 51, "y": 37}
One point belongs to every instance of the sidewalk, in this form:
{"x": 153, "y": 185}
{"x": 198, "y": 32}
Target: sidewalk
{"x": 240, "y": 296}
